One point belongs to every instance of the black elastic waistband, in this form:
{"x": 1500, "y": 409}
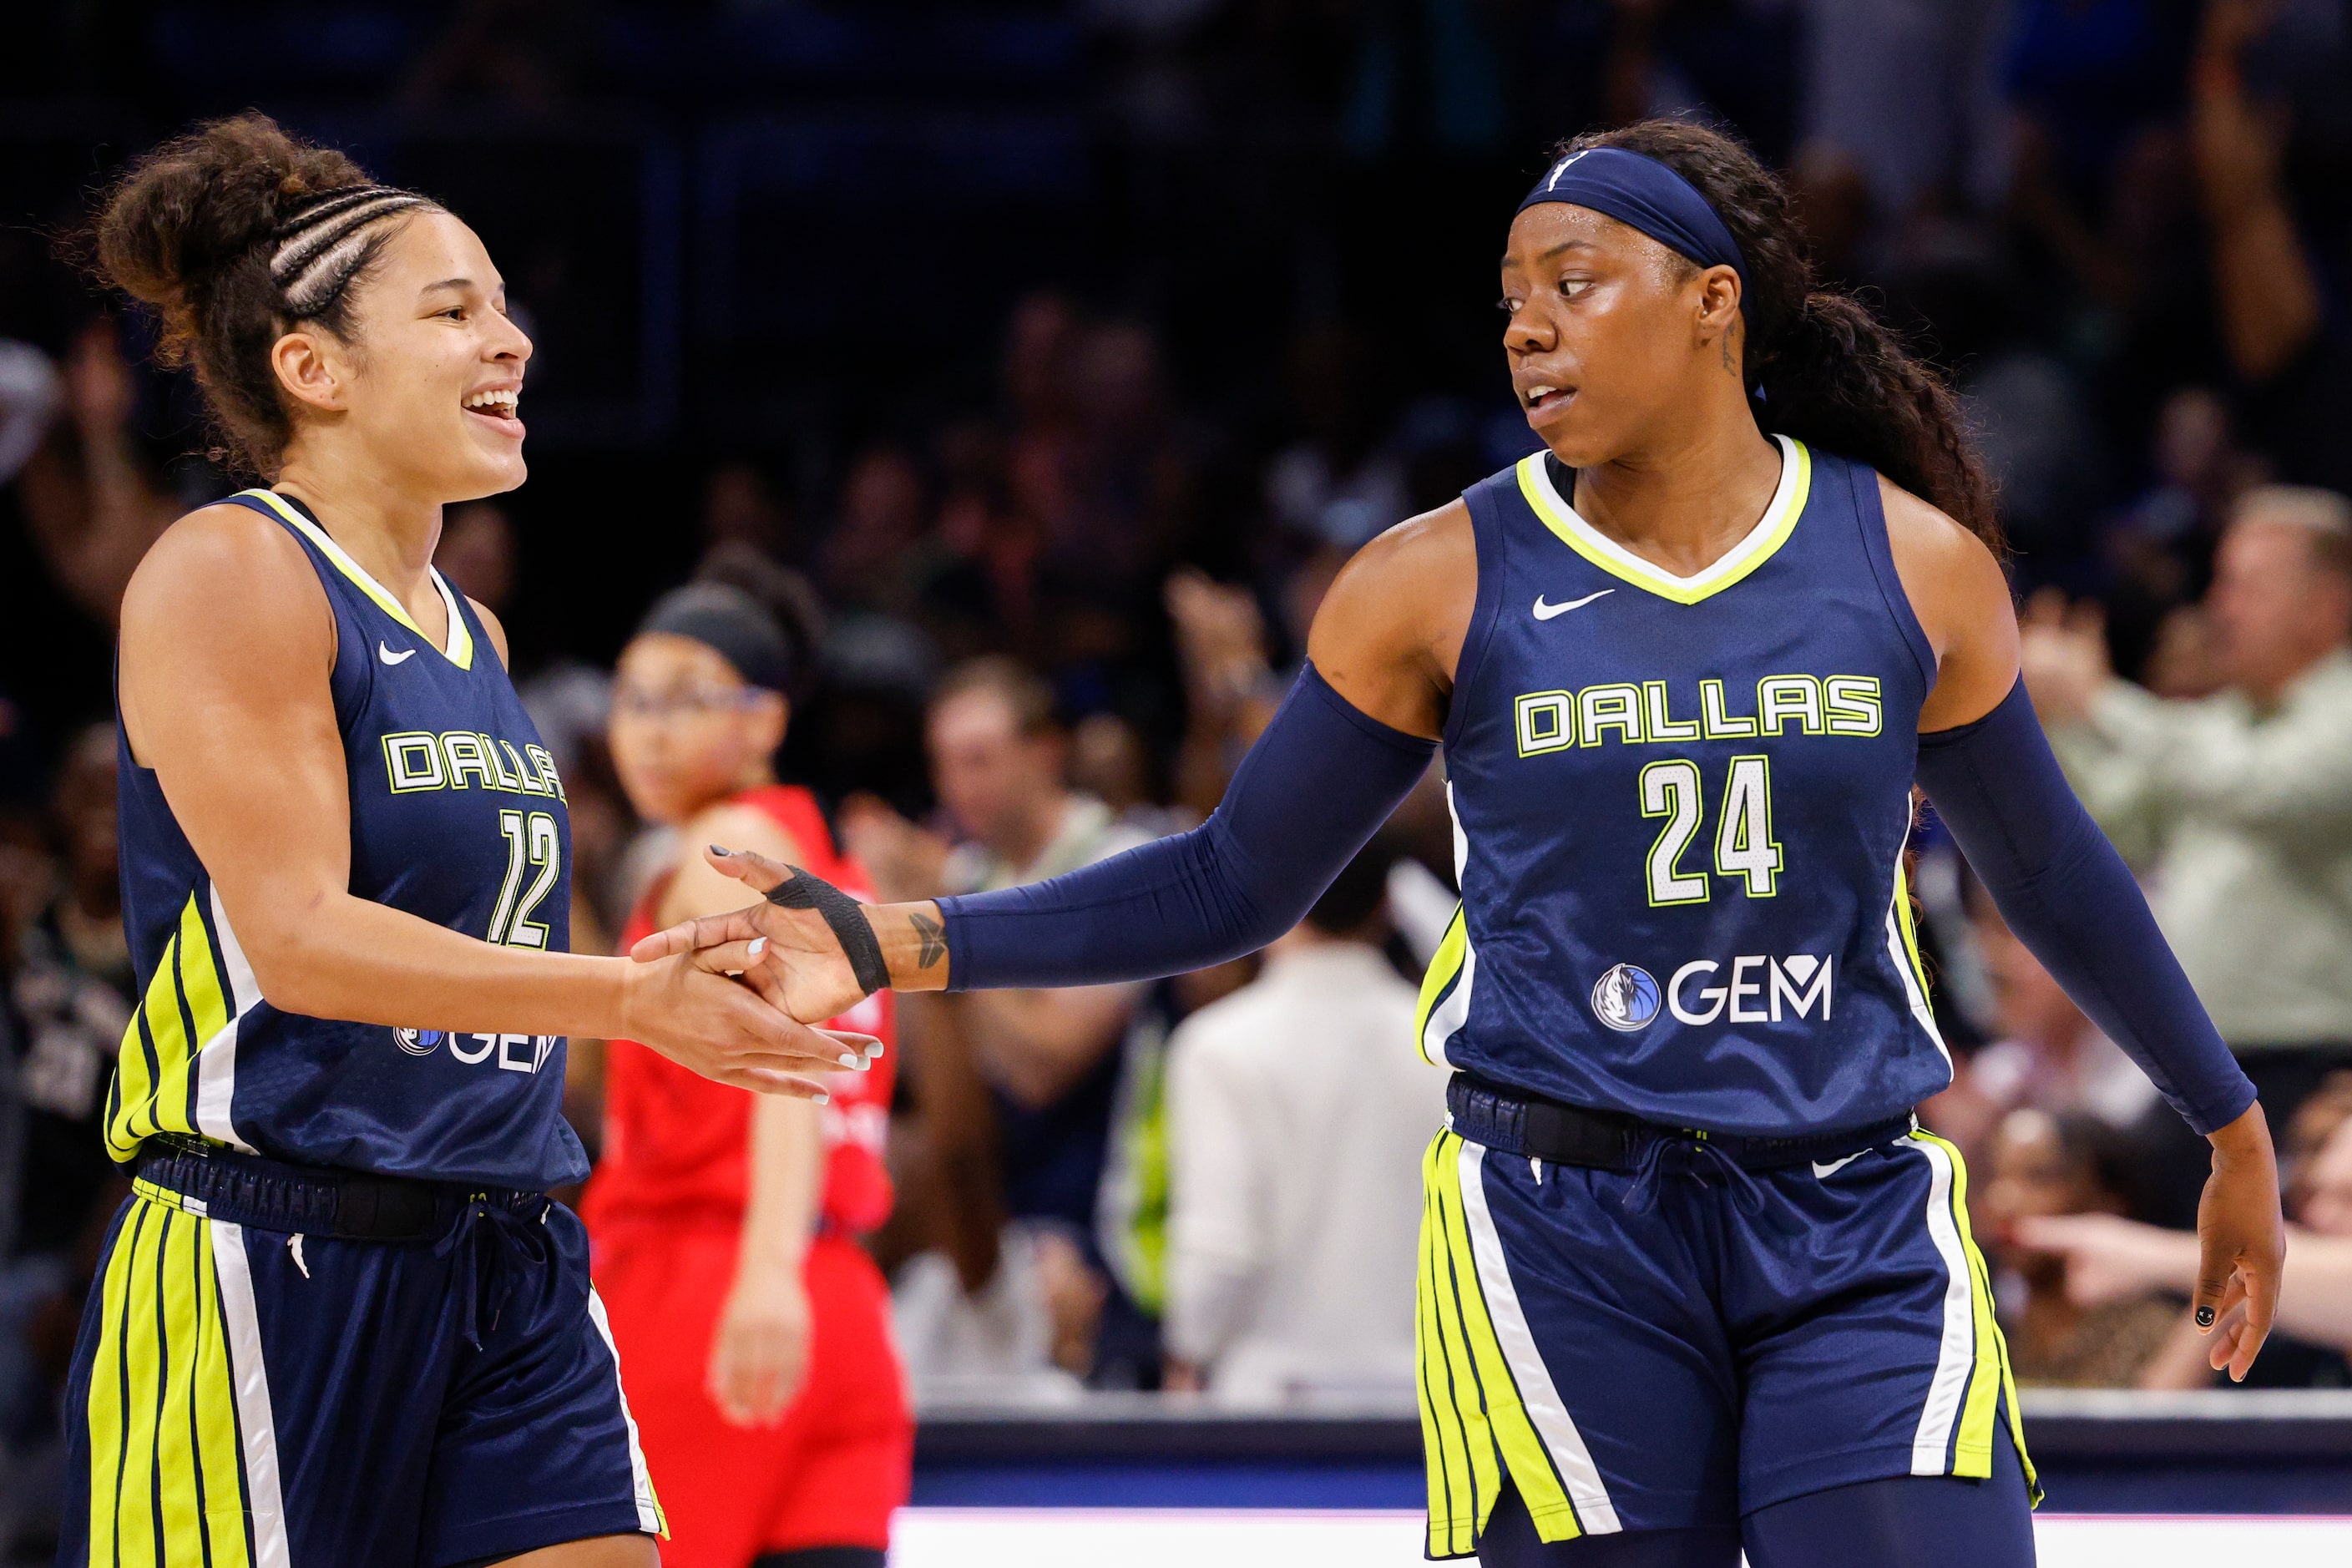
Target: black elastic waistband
{"x": 1514, "y": 1123}
{"x": 270, "y": 1194}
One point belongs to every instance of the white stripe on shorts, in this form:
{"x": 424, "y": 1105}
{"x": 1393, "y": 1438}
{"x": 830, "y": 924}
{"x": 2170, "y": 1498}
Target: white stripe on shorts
{"x": 649, "y": 1519}
{"x": 1958, "y": 1357}
{"x": 1546, "y": 1411}
{"x": 256, "y": 1427}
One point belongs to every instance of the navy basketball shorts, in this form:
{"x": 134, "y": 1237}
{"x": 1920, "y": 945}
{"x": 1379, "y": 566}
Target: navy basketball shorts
{"x": 250, "y": 1397}
{"x": 1674, "y": 1347}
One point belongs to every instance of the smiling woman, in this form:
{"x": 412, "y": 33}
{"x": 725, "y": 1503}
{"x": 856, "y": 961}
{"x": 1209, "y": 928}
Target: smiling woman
{"x": 345, "y": 866}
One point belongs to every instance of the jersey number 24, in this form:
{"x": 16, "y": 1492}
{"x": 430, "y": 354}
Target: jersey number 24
{"x": 1744, "y": 844}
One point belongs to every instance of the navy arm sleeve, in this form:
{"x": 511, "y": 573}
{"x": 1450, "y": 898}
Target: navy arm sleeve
{"x": 1314, "y": 789}
{"x": 2072, "y": 902}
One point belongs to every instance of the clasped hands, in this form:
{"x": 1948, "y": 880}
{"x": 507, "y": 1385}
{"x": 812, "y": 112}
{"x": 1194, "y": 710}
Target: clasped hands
{"x": 793, "y": 960}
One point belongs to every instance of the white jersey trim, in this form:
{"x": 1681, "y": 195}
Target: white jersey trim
{"x": 1771, "y": 529}
{"x": 216, "y": 1058}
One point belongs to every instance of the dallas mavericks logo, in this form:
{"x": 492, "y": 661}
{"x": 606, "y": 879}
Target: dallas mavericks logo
{"x": 419, "y": 1042}
{"x": 1625, "y": 998}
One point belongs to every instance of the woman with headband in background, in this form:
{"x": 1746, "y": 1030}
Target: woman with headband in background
{"x": 339, "y": 1323}
{"x": 1692, "y": 1278}
{"x": 724, "y": 1225}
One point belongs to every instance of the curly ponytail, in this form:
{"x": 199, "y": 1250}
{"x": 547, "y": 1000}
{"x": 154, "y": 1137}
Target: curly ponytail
{"x": 1827, "y": 371}
{"x": 189, "y": 230}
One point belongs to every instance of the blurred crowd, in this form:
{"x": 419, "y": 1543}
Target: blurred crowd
{"x": 1046, "y": 606}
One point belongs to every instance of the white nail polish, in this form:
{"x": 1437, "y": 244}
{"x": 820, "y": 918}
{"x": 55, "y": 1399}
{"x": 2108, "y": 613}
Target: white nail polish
{"x": 759, "y": 945}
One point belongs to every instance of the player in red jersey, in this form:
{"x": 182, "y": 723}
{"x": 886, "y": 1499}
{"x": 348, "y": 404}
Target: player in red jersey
{"x": 755, "y": 1328}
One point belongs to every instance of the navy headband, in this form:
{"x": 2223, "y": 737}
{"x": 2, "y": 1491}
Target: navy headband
{"x": 722, "y": 618}
{"x": 1645, "y": 193}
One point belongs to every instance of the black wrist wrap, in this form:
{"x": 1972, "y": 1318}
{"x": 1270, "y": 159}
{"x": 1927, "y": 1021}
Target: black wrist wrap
{"x": 843, "y": 914}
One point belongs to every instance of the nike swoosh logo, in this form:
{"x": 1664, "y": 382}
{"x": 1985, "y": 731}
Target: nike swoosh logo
{"x": 1834, "y": 1166}
{"x": 1545, "y": 612}
{"x": 389, "y": 656}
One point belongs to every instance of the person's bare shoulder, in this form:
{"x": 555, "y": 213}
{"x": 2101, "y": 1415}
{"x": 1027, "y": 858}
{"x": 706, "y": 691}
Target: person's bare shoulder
{"x": 221, "y": 557}
{"x": 1962, "y": 597}
{"x": 223, "y": 602}
{"x": 1391, "y": 629}
{"x": 1436, "y": 542}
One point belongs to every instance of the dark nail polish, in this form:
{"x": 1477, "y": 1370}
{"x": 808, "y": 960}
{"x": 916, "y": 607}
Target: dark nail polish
{"x": 2204, "y": 1317}
{"x": 715, "y": 849}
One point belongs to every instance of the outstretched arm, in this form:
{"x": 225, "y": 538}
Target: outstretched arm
{"x": 1350, "y": 740}
{"x": 1316, "y": 785}
{"x": 2070, "y": 899}
{"x": 228, "y": 643}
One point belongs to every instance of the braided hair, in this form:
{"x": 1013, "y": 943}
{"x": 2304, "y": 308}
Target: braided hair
{"x": 234, "y": 234}
{"x": 1820, "y": 365}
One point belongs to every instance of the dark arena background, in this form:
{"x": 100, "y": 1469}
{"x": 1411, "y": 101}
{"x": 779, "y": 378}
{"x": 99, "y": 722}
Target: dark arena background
{"x": 1095, "y": 336}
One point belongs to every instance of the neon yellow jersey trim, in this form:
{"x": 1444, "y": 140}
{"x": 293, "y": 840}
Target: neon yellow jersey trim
{"x": 1910, "y": 930}
{"x": 460, "y": 648}
{"x": 1772, "y": 530}
{"x": 1445, "y": 967}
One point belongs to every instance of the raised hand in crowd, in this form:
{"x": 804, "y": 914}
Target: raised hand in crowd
{"x": 2063, "y": 654}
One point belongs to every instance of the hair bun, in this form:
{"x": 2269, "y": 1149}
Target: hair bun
{"x": 185, "y": 214}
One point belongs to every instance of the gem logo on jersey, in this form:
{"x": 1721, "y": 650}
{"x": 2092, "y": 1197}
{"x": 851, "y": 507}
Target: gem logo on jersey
{"x": 509, "y": 1053}
{"x": 1790, "y": 986}
{"x": 1625, "y": 998}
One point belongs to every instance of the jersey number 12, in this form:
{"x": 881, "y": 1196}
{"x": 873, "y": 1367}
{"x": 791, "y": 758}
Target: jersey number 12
{"x": 531, "y": 841}
{"x": 1744, "y": 844}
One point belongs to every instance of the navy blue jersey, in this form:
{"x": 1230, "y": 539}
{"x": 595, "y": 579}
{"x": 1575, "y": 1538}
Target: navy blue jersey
{"x": 456, "y": 817}
{"x": 1680, "y": 809}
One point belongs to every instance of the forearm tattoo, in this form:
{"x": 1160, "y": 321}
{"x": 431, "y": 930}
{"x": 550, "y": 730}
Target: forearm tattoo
{"x": 935, "y": 939}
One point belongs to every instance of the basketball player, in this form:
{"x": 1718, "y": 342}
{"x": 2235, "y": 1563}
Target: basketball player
{"x": 1692, "y": 1277}
{"x": 723, "y": 1227}
{"x": 339, "y": 1323}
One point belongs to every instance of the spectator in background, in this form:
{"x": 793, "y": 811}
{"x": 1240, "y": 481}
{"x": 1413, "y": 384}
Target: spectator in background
{"x": 91, "y": 502}
{"x": 1048, "y": 1062}
{"x": 998, "y": 758}
{"x": 69, "y": 998}
{"x": 1340, "y": 484}
{"x": 2276, "y": 319}
{"x": 2237, "y": 808}
{"x": 1297, "y": 1110}
{"x": 2109, "y": 1260}
{"x": 29, "y": 394}
{"x": 2066, "y": 1163}
{"x": 2160, "y": 549}
{"x": 739, "y": 506}
{"x": 1904, "y": 93}
{"x": 1113, "y": 503}
{"x": 873, "y": 560}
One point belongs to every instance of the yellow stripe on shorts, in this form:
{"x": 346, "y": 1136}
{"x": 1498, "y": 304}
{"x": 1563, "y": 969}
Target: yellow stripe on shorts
{"x": 1462, "y": 1360}
{"x": 1992, "y": 1384}
{"x": 166, "y": 1485}
{"x": 1456, "y": 1507}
